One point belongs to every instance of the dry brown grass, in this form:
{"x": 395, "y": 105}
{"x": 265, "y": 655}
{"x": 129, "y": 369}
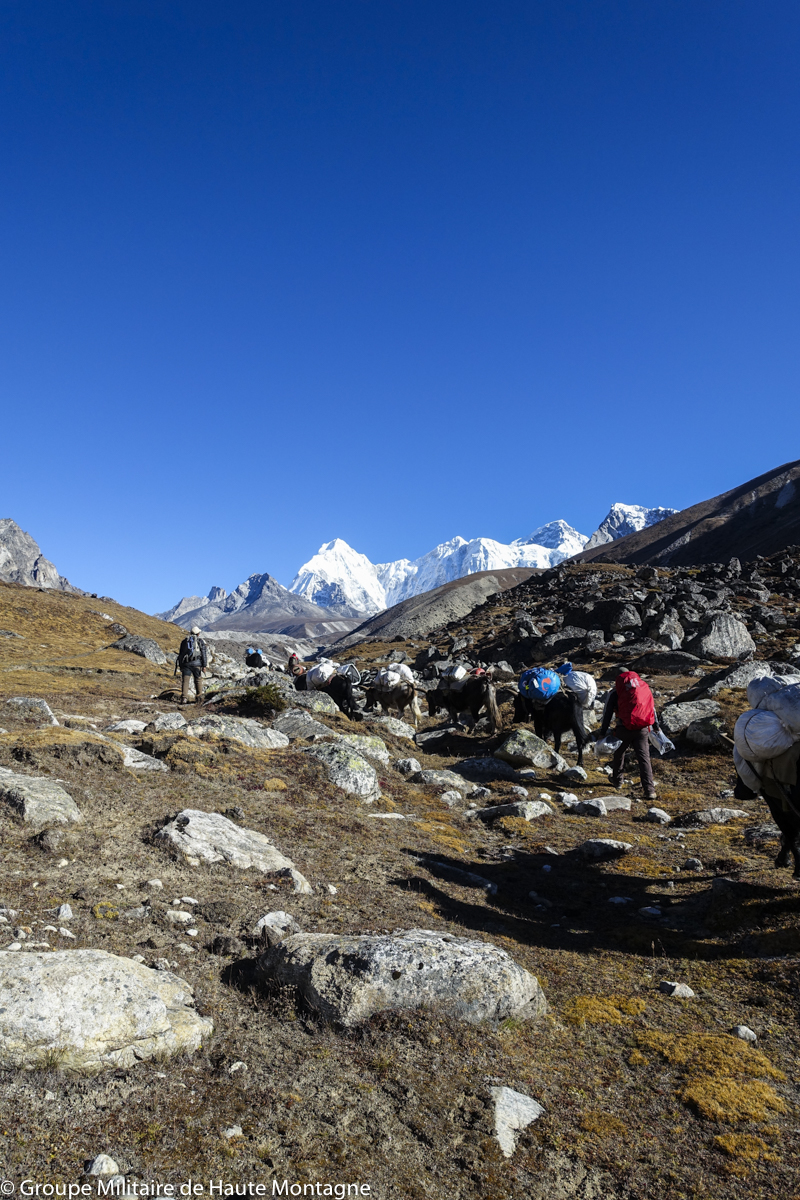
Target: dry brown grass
{"x": 603, "y": 1010}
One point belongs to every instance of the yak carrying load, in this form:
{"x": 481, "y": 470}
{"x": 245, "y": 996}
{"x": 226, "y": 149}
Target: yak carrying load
{"x": 766, "y": 752}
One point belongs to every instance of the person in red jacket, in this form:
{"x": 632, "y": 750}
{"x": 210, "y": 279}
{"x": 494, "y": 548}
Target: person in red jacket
{"x": 633, "y": 703}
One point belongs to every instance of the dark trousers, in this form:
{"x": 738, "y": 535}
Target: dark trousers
{"x": 638, "y": 741}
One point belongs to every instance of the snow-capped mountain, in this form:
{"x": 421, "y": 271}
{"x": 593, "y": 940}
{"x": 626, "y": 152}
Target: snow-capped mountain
{"x": 191, "y": 605}
{"x": 339, "y": 578}
{"x": 623, "y": 519}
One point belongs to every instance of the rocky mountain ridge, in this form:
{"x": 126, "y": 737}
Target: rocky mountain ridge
{"x": 22, "y": 561}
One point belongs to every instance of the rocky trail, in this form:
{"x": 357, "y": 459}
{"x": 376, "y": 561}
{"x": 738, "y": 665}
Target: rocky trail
{"x": 254, "y": 940}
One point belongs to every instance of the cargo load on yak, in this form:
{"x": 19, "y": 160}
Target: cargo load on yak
{"x": 539, "y": 684}
{"x": 579, "y": 684}
{"x": 392, "y": 676}
{"x": 766, "y": 752}
{"x": 320, "y": 674}
{"x": 453, "y": 678}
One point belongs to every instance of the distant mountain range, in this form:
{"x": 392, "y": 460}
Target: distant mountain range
{"x": 339, "y": 585}
{"x": 21, "y": 560}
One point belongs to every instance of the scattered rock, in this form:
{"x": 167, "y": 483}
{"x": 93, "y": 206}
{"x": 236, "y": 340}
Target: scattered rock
{"x": 144, "y": 647}
{"x": 275, "y": 926}
{"x": 297, "y": 723}
{"x": 128, "y": 726}
{"x": 675, "y": 718}
{"x": 347, "y": 770}
{"x": 400, "y": 729}
{"x": 407, "y": 766}
{"x": 34, "y": 706}
{"x": 92, "y": 1010}
{"x": 238, "y": 729}
{"x": 657, "y": 816}
{"x": 348, "y": 978}
{"x": 448, "y": 798}
{"x": 369, "y": 747}
{"x": 135, "y": 760}
{"x": 575, "y": 775}
{"x": 38, "y": 801}
{"x": 723, "y": 636}
{"x": 235, "y": 1131}
{"x": 528, "y": 810}
{"x": 525, "y": 749}
{"x": 102, "y": 1165}
{"x": 692, "y": 864}
{"x": 167, "y": 723}
{"x": 599, "y": 848}
{"x": 705, "y": 732}
{"x": 319, "y": 702}
{"x": 680, "y": 991}
{"x": 710, "y": 816}
{"x": 513, "y": 1112}
{"x": 210, "y": 837}
{"x": 745, "y": 1033}
{"x": 477, "y": 770}
{"x": 616, "y": 803}
{"x": 440, "y": 779}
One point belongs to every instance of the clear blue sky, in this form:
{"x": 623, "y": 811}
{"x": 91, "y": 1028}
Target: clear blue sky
{"x": 276, "y": 272}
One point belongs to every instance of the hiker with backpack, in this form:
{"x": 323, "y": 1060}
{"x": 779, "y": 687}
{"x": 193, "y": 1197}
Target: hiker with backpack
{"x": 632, "y": 702}
{"x": 192, "y": 660}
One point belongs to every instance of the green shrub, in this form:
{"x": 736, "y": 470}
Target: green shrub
{"x": 262, "y": 701}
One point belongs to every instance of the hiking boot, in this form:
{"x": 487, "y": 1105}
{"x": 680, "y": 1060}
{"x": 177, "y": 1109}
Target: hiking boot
{"x": 618, "y": 783}
{"x": 650, "y": 797}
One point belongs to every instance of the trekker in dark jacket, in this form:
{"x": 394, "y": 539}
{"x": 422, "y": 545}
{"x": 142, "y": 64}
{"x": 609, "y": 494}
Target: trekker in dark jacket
{"x": 632, "y": 703}
{"x": 192, "y": 660}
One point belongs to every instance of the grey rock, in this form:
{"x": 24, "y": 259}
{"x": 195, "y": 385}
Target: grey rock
{"x": 567, "y": 798}
{"x": 451, "y": 798}
{"x": 479, "y": 770}
{"x": 92, "y": 1010}
{"x": 595, "y": 807}
{"x": 128, "y": 726}
{"x": 167, "y": 723}
{"x": 400, "y": 729}
{"x": 478, "y": 793}
{"x": 144, "y": 647}
{"x": 745, "y": 1033}
{"x": 347, "y": 770}
{"x": 38, "y": 802}
{"x": 209, "y": 837}
{"x": 712, "y": 816}
{"x": 693, "y": 864}
{"x": 616, "y": 803}
{"x": 529, "y": 810}
{"x": 519, "y": 791}
{"x": 102, "y": 1165}
{"x": 136, "y": 760}
{"x": 679, "y": 991}
{"x": 657, "y": 816}
{"x": 600, "y": 848}
{"x": 441, "y": 779}
{"x": 724, "y": 636}
{"x": 762, "y": 834}
{"x": 33, "y": 706}
{"x": 407, "y": 766}
{"x": 319, "y": 702}
{"x": 706, "y": 732}
{"x": 666, "y": 662}
{"x": 575, "y": 775}
{"x": 668, "y": 630}
{"x": 739, "y": 677}
{"x": 275, "y": 926}
{"x": 462, "y": 878}
{"x": 369, "y": 747}
{"x": 513, "y": 1112}
{"x": 238, "y": 729}
{"x": 675, "y": 718}
{"x": 525, "y": 749}
{"x": 64, "y": 912}
{"x": 298, "y": 723}
{"x": 347, "y": 979}
{"x": 22, "y": 561}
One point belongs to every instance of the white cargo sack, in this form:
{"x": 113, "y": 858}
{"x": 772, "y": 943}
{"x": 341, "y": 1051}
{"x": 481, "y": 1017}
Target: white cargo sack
{"x": 660, "y": 741}
{"x": 785, "y": 703}
{"x": 760, "y": 735}
{"x": 453, "y": 678}
{"x": 607, "y": 746}
{"x": 391, "y": 677}
{"x": 582, "y": 686}
{"x": 758, "y": 689}
{"x": 746, "y": 773}
{"x": 320, "y": 675}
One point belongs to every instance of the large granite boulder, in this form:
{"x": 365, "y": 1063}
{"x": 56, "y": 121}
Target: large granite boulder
{"x": 143, "y": 646}
{"x": 677, "y": 717}
{"x": 33, "y": 706}
{"x": 525, "y": 749}
{"x": 298, "y": 723}
{"x": 370, "y": 747}
{"x": 347, "y": 770}
{"x": 209, "y": 837}
{"x": 723, "y": 636}
{"x": 38, "y": 802}
{"x": 348, "y": 978}
{"x": 239, "y": 729}
{"x": 86, "y": 1010}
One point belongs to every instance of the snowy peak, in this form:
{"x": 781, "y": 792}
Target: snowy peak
{"x": 623, "y": 519}
{"x": 339, "y": 578}
{"x": 558, "y": 536}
